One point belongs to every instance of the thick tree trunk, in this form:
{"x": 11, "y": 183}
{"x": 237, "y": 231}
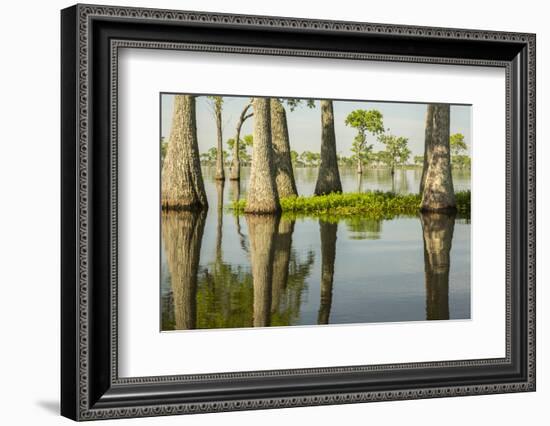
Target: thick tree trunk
{"x": 328, "y": 179}
{"x": 427, "y": 144}
{"x": 438, "y": 193}
{"x": 284, "y": 175}
{"x": 182, "y": 236}
{"x": 220, "y": 173}
{"x": 437, "y": 229}
{"x": 283, "y": 244}
{"x": 182, "y": 187}
{"x": 262, "y": 190}
{"x": 236, "y": 161}
{"x": 262, "y": 230}
{"x": 328, "y": 255}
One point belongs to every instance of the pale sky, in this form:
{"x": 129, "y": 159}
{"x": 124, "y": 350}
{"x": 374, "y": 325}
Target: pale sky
{"x": 304, "y": 124}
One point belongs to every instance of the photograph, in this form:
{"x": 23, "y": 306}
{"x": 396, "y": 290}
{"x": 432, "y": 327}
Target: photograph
{"x": 279, "y": 211}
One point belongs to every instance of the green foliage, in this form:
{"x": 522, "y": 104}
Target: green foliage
{"x": 294, "y": 158}
{"x": 225, "y": 294}
{"x": 370, "y": 121}
{"x": 248, "y": 140}
{"x": 373, "y": 205}
{"x": 459, "y": 149}
{"x": 216, "y": 102}
{"x": 294, "y": 103}
{"x": 458, "y": 146}
{"x": 217, "y": 284}
{"x": 366, "y": 121}
{"x": 463, "y": 203}
{"x": 344, "y": 161}
{"x": 363, "y": 229}
{"x": 310, "y": 159}
{"x": 209, "y": 157}
{"x": 244, "y": 144}
{"x": 396, "y": 152}
{"x": 461, "y": 161}
{"x": 418, "y": 160}
{"x": 361, "y": 151}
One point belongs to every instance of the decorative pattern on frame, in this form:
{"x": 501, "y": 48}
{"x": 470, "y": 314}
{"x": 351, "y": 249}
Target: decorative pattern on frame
{"x": 86, "y": 13}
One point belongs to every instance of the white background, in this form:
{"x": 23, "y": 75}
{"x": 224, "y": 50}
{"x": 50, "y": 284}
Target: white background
{"x": 140, "y": 343}
{"x": 29, "y": 225}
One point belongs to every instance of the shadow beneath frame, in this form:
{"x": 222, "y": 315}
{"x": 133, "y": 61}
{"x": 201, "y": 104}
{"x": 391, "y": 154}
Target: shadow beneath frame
{"x": 50, "y": 406}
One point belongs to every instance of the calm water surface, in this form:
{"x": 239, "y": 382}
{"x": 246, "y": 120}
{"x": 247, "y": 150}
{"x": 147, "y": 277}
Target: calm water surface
{"x": 220, "y": 271}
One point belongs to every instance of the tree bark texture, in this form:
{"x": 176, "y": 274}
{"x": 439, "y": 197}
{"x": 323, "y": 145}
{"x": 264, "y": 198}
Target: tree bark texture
{"x": 438, "y": 193}
{"x": 328, "y": 256}
{"x": 182, "y": 185}
{"x": 262, "y": 190}
{"x": 220, "y": 173}
{"x": 262, "y": 230}
{"x": 427, "y": 143}
{"x": 284, "y": 175}
{"x": 182, "y": 236}
{"x": 236, "y": 161}
{"x": 328, "y": 179}
{"x": 281, "y": 261}
{"x": 437, "y": 230}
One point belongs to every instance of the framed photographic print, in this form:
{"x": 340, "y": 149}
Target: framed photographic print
{"x": 263, "y": 212}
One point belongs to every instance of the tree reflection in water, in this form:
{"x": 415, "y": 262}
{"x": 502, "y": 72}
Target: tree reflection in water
{"x": 182, "y": 235}
{"x": 281, "y": 260}
{"x": 290, "y": 275}
{"x": 361, "y": 228}
{"x": 262, "y": 230}
{"x": 328, "y": 256}
{"x": 235, "y": 196}
{"x": 222, "y": 295}
{"x": 437, "y": 229}
{"x": 220, "y": 185}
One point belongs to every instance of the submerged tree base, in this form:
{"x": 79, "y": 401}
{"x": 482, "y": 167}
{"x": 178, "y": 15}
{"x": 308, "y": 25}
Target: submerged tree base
{"x": 375, "y": 205}
{"x": 178, "y": 206}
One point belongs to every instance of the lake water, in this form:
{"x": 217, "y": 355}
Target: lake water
{"x": 222, "y": 271}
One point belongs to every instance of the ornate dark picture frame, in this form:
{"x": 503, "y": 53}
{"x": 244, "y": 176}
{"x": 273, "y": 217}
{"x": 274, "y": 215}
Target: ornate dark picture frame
{"x": 91, "y": 37}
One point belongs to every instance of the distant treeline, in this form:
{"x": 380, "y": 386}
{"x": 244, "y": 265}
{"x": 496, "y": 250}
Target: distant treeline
{"x": 313, "y": 159}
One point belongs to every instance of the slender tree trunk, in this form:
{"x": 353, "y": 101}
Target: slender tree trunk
{"x": 328, "y": 179}
{"x": 427, "y": 144}
{"x": 182, "y": 236}
{"x": 438, "y": 191}
{"x": 262, "y": 190}
{"x": 220, "y": 173}
{"x": 262, "y": 230}
{"x": 182, "y": 186}
{"x": 219, "y": 229}
{"x": 359, "y": 182}
{"x": 328, "y": 255}
{"x": 284, "y": 175}
{"x": 437, "y": 229}
{"x": 359, "y": 166}
{"x": 236, "y": 162}
{"x": 236, "y": 188}
{"x": 283, "y": 244}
